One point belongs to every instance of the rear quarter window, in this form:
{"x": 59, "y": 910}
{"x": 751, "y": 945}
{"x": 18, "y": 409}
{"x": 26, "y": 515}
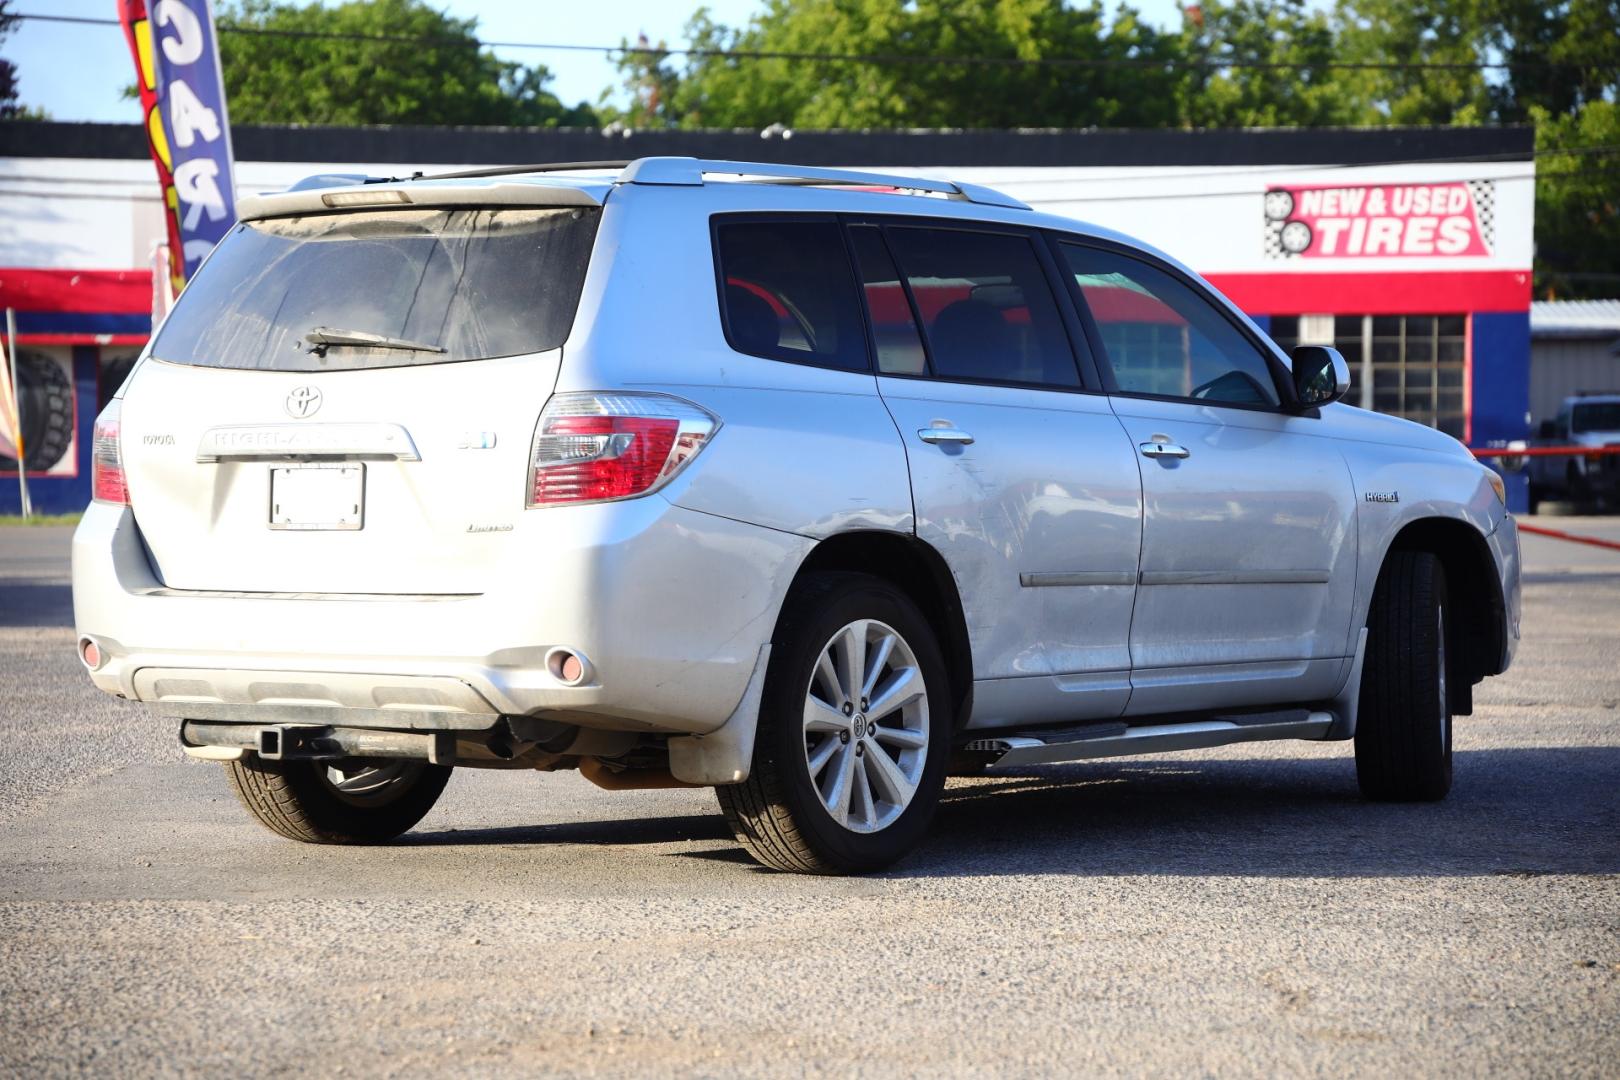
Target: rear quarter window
{"x": 466, "y": 284}
{"x": 787, "y": 293}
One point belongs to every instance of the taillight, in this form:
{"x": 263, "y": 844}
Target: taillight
{"x": 106, "y": 463}
{"x": 598, "y": 447}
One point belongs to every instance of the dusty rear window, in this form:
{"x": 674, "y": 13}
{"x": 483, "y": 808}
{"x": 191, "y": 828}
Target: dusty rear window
{"x": 323, "y": 292}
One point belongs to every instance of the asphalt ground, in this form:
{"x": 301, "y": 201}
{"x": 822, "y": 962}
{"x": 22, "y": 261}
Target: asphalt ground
{"x": 1237, "y": 911}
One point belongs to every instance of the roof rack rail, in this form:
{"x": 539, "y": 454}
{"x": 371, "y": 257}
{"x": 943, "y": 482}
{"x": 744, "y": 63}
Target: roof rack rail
{"x": 515, "y": 170}
{"x": 689, "y": 172}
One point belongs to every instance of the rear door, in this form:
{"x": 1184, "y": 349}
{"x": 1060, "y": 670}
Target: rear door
{"x": 344, "y": 403}
{"x": 1020, "y": 477}
{"x": 1248, "y": 545}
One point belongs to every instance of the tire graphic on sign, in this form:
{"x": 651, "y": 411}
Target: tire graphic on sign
{"x": 1296, "y": 237}
{"x": 1279, "y": 204}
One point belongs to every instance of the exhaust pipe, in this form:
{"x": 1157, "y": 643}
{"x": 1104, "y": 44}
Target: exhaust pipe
{"x": 599, "y": 774}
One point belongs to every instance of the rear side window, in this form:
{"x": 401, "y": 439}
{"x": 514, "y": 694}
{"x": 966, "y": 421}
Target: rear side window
{"x": 312, "y": 293}
{"x": 894, "y": 328}
{"x": 787, "y": 293}
{"x": 986, "y": 306}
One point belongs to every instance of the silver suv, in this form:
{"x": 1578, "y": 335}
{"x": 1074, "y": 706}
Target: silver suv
{"x": 808, "y": 485}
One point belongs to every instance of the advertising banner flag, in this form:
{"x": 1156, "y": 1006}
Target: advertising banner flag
{"x": 183, "y": 104}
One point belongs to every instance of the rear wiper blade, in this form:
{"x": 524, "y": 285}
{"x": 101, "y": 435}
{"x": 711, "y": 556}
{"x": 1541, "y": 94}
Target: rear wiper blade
{"x": 322, "y": 337}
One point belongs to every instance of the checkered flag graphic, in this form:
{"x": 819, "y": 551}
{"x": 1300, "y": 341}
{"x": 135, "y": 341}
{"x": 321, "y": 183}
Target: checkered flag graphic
{"x": 1483, "y": 192}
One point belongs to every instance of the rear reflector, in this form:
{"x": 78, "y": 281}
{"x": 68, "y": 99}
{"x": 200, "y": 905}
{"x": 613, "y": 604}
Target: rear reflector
{"x": 600, "y": 447}
{"x": 89, "y": 653}
{"x": 106, "y": 460}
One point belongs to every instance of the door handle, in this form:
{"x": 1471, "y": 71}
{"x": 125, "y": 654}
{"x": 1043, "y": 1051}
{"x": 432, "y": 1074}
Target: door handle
{"x": 1164, "y": 450}
{"x": 944, "y": 435}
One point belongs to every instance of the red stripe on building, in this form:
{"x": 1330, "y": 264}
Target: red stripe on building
{"x": 82, "y": 339}
{"x": 1379, "y": 293}
{"x": 100, "y": 292}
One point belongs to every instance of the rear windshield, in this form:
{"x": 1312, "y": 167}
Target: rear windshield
{"x": 441, "y": 285}
{"x": 1598, "y": 416}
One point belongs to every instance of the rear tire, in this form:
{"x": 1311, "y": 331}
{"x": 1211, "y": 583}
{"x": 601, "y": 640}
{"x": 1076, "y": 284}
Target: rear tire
{"x": 352, "y": 801}
{"x": 1403, "y": 726}
{"x": 832, "y": 791}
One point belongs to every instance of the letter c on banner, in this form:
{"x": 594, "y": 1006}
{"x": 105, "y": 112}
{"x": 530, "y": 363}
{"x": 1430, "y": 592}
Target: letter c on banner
{"x": 188, "y": 46}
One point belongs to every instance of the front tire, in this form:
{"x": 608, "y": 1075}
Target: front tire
{"x": 349, "y": 801}
{"x": 1403, "y": 726}
{"x": 854, "y": 732}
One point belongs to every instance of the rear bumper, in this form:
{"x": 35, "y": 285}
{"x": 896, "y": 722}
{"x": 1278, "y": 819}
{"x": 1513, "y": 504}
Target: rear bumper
{"x": 669, "y": 606}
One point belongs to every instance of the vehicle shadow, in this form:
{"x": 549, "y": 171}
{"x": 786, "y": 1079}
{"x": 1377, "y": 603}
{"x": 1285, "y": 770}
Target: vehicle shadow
{"x": 606, "y": 833}
{"x": 1518, "y": 812}
{"x": 32, "y": 604}
{"x": 1523, "y": 811}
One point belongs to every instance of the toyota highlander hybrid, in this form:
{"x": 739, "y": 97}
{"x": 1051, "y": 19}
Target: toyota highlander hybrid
{"x": 807, "y": 485}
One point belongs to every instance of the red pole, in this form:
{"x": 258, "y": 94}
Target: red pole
{"x": 1559, "y": 534}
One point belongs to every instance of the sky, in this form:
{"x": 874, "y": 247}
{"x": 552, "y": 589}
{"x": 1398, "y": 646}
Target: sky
{"x": 78, "y": 72}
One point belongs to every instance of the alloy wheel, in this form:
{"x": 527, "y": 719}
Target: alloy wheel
{"x": 866, "y": 726}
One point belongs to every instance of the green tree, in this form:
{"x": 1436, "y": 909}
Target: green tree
{"x": 1408, "y": 33}
{"x": 645, "y": 72}
{"x": 10, "y": 107}
{"x": 1578, "y": 201}
{"x": 1264, "y": 63}
{"x": 919, "y": 86}
{"x": 439, "y": 75}
{"x": 1561, "y": 56}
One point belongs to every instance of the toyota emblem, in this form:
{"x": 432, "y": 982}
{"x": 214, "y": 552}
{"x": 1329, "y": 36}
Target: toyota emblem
{"x": 303, "y": 401}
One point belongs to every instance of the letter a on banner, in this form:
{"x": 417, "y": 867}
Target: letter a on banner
{"x": 183, "y": 104}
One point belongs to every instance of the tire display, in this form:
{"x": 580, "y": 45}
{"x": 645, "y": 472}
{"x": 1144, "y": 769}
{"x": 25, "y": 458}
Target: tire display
{"x": 46, "y": 408}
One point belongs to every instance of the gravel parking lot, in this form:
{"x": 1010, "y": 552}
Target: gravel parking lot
{"x": 1232, "y": 911}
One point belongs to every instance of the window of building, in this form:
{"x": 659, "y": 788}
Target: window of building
{"x": 789, "y": 293}
{"x": 1164, "y": 339}
{"x": 1404, "y": 365}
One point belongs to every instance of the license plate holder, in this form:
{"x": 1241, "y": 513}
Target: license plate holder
{"x": 324, "y": 496}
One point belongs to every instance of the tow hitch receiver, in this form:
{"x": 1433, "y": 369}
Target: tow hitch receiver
{"x": 316, "y": 742}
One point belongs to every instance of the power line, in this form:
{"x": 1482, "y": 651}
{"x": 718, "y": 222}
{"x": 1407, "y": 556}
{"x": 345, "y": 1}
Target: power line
{"x": 1507, "y": 158}
{"x": 1152, "y": 196}
{"x": 1600, "y": 150}
{"x": 1102, "y": 63}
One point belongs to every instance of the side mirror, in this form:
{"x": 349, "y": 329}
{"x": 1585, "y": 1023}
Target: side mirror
{"x": 1548, "y": 430}
{"x": 1321, "y": 376}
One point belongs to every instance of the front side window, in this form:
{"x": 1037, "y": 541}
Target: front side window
{"x": 389, "y": 288}
{"x": 986, "y": 307}
{"x": 1162, "y": 338}
{"x": 787, "y": 293}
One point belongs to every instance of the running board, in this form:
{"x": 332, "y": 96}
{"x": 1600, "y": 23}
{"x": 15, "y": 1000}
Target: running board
{"x": 1119, "y": 740}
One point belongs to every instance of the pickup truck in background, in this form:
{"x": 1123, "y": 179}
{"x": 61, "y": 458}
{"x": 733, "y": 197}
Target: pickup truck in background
{"x": 1585, "y": 420}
